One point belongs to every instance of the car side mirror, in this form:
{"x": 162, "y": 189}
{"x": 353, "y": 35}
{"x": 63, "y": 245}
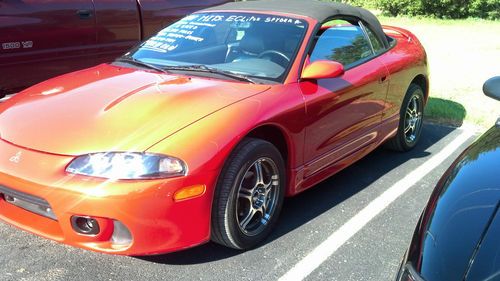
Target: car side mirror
{"x": 491, "y": 88}
{"x": 321, "y": 69}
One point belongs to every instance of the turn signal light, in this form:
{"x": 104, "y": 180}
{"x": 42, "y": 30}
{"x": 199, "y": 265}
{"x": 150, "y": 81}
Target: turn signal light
{"x": 189, "y": 192}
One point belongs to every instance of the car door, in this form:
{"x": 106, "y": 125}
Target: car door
{"x": 343, "y": 113}
{"x": 40, "y": 39}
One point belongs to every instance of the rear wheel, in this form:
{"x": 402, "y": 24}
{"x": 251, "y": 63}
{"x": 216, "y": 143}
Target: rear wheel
{"x": 249, "y": 195}
{"x": 410, "y": 120}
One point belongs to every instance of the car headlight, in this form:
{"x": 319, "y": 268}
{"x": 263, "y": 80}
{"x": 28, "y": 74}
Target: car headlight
{"x": 127, "y": 165}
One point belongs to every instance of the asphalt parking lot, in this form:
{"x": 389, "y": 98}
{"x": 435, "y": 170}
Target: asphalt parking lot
{"x": 307, "y": 220}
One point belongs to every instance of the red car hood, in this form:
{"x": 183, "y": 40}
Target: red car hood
{"x": 110, "y": 108}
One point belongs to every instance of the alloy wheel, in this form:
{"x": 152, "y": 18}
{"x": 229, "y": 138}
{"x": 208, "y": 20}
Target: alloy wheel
{"x": 413, "y": 119}
{"x": 257, "y": 196}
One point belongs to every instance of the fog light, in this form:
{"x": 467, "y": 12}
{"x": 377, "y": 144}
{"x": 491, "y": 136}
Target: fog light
{"x": 85, "y": 225}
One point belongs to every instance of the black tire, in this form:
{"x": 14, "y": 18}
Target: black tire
{"x": 232, "y": 196}
{"x": 406, "y": 140}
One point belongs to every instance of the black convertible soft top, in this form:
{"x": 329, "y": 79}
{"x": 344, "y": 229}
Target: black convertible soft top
{"x": 321, "y": 11}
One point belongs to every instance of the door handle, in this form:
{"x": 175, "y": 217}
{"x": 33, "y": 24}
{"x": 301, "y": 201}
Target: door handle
{"x": 84, "y": 14}
{"x": 382, "y": 79}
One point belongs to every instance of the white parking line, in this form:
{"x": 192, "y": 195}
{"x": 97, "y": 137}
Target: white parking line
{"x": 321, "y": 253}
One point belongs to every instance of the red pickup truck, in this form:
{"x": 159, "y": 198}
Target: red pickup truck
{"x": 40, "y": 39}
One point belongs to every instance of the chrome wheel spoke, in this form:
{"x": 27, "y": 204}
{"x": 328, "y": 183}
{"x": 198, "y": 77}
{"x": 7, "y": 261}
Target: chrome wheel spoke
{"x": 268, "y": 187}
{"x": 259, "y": 177}
{"x": 408, "y": 129}
{"x": 248, "y": 218}
{"x": 409, "y": 112}
{"x": 274, "y": 182}
{"x": 415, "y": 105}
{"x": 419, "y": 120}
{"x": 245, "y": 194}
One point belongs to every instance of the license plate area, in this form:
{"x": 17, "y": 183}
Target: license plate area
{"x": 27, "y": 202}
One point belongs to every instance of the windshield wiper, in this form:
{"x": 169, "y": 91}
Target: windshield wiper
{"x": 204, "y": 68}
{"x": 132, "y": 60}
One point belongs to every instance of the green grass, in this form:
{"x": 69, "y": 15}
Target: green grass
{"x": 445, "y": 111}
{"x": 462, "y": 55}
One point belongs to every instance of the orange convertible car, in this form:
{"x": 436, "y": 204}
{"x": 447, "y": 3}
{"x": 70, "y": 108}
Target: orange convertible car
{"x": 200, "y": 132}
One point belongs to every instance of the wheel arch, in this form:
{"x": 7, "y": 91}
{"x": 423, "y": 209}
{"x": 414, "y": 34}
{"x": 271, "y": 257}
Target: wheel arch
{"x": 275, "y": 135}
{"x": 220, "y": 227}
{"x": 422, "y": 81}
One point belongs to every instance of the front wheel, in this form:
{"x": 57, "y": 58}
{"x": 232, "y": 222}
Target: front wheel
{"x": 410, "y": 120}
{"x": 249, "y": 195}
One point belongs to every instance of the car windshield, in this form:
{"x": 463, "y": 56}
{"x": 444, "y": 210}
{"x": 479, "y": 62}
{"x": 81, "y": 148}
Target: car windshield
{"x": 245, "y": 45}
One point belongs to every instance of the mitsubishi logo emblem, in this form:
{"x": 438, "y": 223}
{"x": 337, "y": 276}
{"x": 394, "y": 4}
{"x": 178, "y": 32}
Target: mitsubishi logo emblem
{"x": 16, "y": 158}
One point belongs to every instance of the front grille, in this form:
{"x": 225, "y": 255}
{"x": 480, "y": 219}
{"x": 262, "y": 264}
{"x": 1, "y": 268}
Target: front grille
{"x": 27, "y": 202}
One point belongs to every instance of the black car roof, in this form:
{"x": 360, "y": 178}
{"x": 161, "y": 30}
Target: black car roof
{"x": 321, "y": 11}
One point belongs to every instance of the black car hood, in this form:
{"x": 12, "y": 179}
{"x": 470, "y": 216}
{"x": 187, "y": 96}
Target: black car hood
{"x": 460, "y": 218}
{"x": 485, "y": 265}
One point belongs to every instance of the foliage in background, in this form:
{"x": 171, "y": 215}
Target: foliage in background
{"x": 452, "y": 47}
{"x": 453, "y": 9}
{"x": 362, "y": 3}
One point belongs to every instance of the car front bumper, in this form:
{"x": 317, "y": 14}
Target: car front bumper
{"x": 146, "y": 208}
